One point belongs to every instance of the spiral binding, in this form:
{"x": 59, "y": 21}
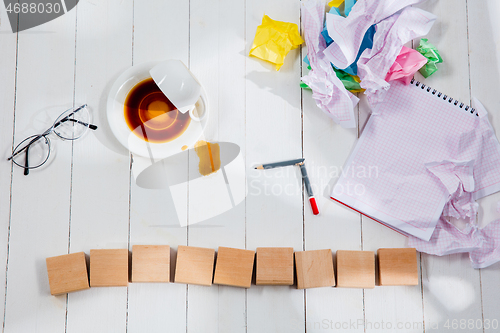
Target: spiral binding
{"x": 445, "y": 97}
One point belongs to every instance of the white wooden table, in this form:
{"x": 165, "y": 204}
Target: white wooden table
{"x": 86, "y": 198}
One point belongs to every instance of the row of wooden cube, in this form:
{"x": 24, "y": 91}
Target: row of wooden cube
{"x": 234, "y": 267}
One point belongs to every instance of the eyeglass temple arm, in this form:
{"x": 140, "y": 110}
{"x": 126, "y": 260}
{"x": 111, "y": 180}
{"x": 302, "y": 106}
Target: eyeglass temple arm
{"x": 26, "y": 163}
{"x": 69, "y": 115}
{"x": 91, "y": 126}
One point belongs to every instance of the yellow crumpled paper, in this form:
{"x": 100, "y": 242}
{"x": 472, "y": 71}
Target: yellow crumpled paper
{"x": 274, "y": 39}
{"x": 335, "y": 3}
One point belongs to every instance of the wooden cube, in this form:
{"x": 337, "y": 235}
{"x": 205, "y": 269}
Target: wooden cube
{"x": 150, "y": 263}
{"x": 314, "y": 269}
{"x": 234, "y": 267}
{"x": 195, "y": 265}
{"x": 397, "y": 267}
{"x": 355, "y": 269}
{"x": 67, "y": 273}
{"x": 274, "y": 266}
{"x": 108, "y": 268}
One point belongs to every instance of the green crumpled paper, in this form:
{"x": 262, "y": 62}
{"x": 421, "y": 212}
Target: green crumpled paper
{"x": 304, "y": 86}
{"x": 274, "y": 39}
{"x": 349, "y": 81}
{"x": 433, "y": 57}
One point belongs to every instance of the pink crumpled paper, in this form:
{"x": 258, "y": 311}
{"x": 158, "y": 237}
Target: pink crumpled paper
{"x": 407, "y": 63}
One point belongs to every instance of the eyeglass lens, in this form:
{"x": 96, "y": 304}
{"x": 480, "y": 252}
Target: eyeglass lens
{"x": 34, "y": 151}
{"x": 72, "y": 123}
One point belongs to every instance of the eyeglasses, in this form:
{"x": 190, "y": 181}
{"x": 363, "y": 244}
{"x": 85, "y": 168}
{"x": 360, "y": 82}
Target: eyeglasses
{"x": 34, "y": 151}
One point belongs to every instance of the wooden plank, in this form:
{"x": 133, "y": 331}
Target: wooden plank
{"x": 451, "y": 287}
{"x": 217, "y": 38}
{"x": 405, "y": 304}
{"x": 8, "y": 58}
{"x": 153, "y": 221}
{"x": 484, "y": 66}
{"x": 100, "y": 213}
{"x": 375, "y": 235}
{"x": 483, "y": 60}
{"x": 274, "y": 207}
{"x": 161, "y": 32}
{"x": 326, "y": 148}
{"x": 40, "y": 201}
{"x": 274, "y": 201}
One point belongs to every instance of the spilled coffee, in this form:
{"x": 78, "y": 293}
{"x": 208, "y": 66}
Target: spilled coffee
{"x": 151, "y": 116}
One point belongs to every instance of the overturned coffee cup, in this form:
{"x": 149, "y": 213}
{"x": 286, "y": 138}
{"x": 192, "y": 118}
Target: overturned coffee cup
{"x": 180, "y": 86}
{"x": 157, "y": 109}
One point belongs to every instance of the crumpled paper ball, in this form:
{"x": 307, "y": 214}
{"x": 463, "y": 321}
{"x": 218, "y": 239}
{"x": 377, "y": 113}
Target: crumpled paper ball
{"x": 274, "y": 39}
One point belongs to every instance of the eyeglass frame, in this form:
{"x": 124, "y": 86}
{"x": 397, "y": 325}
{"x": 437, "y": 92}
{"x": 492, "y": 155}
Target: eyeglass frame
{"x": 44, "y": 135}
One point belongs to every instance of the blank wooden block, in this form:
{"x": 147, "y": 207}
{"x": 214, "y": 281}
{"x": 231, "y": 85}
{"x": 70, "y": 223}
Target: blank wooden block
{"x": 234, "y": 267}
{"x": 108, "y": 268}
{"x": 355, "y": 269}
{"x": 397, "y": 267}
{"x": 195, "y": 265}
{"x": 314, "y": 269}
{"x": 150, "y": 263}
{"x": 67, "y": 273}
{"x": 274, "y": 266}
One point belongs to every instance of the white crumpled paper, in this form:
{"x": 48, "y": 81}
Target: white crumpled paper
{"x": 483, "y": 245}
{"x": 396, "y": 25}
{"x": 328, "y": 91}
{"x": 390, "y": 37}
{"x": 348, "y": 32}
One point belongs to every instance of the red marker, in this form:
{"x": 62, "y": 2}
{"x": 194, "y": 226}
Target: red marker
{"x": 310, "y": 194}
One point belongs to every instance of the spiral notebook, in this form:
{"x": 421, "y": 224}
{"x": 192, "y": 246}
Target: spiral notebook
{"x": 391, "y": 174}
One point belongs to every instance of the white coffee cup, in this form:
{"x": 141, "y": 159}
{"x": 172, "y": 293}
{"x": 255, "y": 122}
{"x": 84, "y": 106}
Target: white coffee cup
{"x": 180, "y": 86}
{"x": 117, "y": 96}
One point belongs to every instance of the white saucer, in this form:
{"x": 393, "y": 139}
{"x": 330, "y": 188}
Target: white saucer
{"x": 116, "y": 118}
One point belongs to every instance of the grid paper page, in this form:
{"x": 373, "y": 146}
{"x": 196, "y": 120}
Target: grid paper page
{"x": 387, "y": 176}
